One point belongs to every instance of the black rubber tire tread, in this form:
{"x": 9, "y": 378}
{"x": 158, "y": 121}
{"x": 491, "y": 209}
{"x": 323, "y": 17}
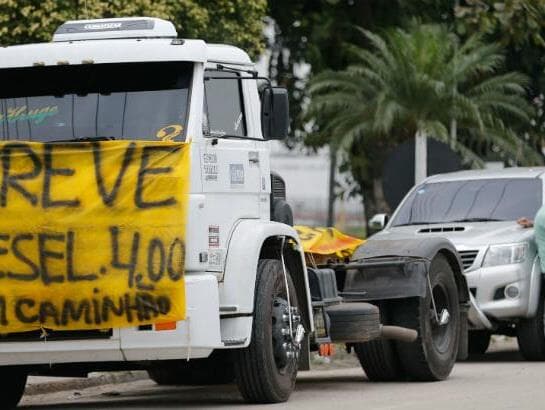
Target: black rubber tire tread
{"x": 13, "y": 384}
{"x": 378, "y": 358}
{"x": 216, "y": 369}
{"x": 379, "y": 361}
{"x": 353, "y": 322}
{"x": 531, "y": 334}
{"x": 420, "y": 359}
{"x": 257, "y": 376}
{"x": 478, "y": 342}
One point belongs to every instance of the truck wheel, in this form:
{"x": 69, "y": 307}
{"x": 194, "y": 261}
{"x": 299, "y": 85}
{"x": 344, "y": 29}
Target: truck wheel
{"x": 531, "y": 334}
{"x": 266, "y": 370}
{"x": 378, "y": 358}
{"x": 13, "y": 386}
{"x": 433, "y": 355}
{"x": 479, "y": 340}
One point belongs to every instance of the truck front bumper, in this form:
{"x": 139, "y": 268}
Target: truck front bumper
{"x": 195, "y": 337}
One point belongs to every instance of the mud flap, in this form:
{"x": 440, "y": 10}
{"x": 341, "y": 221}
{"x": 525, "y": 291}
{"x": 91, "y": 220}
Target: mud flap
{"x": 463, "y": 348}
{"x": 304, "y": 355}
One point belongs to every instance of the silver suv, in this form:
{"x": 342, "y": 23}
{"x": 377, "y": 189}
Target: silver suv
{"x": 477, "y": 211}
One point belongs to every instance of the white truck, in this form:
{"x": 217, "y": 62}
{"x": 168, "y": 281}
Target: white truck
{"x": 254, "y": 310}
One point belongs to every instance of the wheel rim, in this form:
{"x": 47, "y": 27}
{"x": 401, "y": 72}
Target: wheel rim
{"x": 440, "y": 332}
{"x": 284, "y": 351}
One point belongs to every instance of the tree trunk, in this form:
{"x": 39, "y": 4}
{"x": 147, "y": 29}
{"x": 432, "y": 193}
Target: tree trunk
{"x": 374, "y": 201}
{"x": 420, "y": 157}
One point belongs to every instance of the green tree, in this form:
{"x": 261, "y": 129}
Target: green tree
{"x": 238, "y": 22}
{"x": 416, "y": 82}
{"x": 519, "y": 26}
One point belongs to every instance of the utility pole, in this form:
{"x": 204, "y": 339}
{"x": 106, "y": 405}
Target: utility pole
{"x": 420, "y": 157}
{"x": 331, "y": 190}
{"x": 453, "y": 123}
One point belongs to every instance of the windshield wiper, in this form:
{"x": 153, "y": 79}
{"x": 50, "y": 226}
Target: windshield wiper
{"x": 419, "y": 223}
{"x": 86, "y": 139}
{"x": 233, "y": 137}
{"x": 475, "y": 220}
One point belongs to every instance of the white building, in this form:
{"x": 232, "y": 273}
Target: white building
{"x": 307, "y": 187}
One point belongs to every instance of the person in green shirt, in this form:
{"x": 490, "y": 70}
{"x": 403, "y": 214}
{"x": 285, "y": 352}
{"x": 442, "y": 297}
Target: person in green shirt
{"x": 539, "y": 232}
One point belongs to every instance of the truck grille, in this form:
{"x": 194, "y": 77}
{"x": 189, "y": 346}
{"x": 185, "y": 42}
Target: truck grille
{"x": 468, "y": 258}
{"x": 278, "y": 186}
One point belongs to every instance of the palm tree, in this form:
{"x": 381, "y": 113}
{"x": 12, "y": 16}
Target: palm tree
{"x": 418, "y": 83}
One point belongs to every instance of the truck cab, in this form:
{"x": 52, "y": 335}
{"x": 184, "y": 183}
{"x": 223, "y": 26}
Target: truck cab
{"x": 134, "y": 79}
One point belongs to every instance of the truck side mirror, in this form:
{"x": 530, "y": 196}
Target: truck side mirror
{"x": 275, "y": 116}
{"x": 378, "y": 222}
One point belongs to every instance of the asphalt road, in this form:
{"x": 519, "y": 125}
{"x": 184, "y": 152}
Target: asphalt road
{"x": 500, "y": 381}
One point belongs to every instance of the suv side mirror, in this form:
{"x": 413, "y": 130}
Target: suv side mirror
{"x": 275, "y": 115}
{"x": 378, "y": 222}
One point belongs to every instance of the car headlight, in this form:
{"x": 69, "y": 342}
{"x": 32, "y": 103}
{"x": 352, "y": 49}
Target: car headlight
{"x": 505, "y": 254}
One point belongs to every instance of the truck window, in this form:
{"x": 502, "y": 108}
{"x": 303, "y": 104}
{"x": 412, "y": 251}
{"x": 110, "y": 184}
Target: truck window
{"x": 487, "y": 199}
{"x": 136, "y": 101}
{"x": 223, "y": 105}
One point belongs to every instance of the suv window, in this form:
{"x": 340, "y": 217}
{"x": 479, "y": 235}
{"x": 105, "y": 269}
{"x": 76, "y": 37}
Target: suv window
{"x": 223, "y": 105}
{"x": 482, "y": 199}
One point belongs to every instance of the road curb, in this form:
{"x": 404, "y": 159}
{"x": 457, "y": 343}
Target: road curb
{"x": 98, "y": 379}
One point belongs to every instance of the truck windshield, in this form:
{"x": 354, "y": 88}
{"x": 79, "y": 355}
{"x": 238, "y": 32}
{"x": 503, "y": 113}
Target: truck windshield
{"x": 136, "y": 101}
{"x": 471, "y": 201}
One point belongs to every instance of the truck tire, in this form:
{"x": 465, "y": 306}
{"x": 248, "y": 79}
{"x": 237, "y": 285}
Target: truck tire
{"x": 479, "y": 340}
{"x": 216, "y": 369}
{"x": 13, "y": 386}
{"x": 432, "y": 356}
{"x": 353, "y": 322}
{"x": 264, "y": 372}
{"x": 378, "y": 358}
{"x": 379, "y": 361}
{"x": 531, "y": 334}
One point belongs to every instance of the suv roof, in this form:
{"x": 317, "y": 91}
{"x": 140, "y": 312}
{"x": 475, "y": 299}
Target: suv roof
{"x": 513, "y": 172}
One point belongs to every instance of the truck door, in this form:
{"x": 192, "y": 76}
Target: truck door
{"x": 231, "y": 176}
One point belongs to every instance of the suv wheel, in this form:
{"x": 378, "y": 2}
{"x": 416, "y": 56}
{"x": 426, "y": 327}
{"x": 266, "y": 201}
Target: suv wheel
{"x": 531, "y": 334}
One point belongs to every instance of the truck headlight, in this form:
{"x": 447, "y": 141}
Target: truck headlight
{"x": 505, "y": 254}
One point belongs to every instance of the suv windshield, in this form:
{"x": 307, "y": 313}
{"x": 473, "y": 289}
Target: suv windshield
{"x": 471, "y": 201}
{"x": 137, "y": 101}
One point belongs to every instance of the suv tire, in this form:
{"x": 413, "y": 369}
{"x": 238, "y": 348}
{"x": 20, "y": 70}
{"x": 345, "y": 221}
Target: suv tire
{"x": 531, "y": 334}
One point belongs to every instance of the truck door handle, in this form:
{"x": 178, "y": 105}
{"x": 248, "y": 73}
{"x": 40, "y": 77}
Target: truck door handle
{"x": 253, "y": 157}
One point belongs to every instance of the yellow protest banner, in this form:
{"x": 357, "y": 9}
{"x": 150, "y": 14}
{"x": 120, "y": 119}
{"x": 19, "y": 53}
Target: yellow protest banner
{"x": 327, "y": 241}
{"x": 92, "y": 234}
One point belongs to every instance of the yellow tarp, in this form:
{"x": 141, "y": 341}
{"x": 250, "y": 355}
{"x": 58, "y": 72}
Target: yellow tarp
{"x": 327, "y": 241}
{"x": 92, "y": 234}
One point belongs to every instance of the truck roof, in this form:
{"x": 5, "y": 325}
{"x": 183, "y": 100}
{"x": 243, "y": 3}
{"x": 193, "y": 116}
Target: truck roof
{"x": 512, "y": 172}
{"x": 118, "y": 41}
